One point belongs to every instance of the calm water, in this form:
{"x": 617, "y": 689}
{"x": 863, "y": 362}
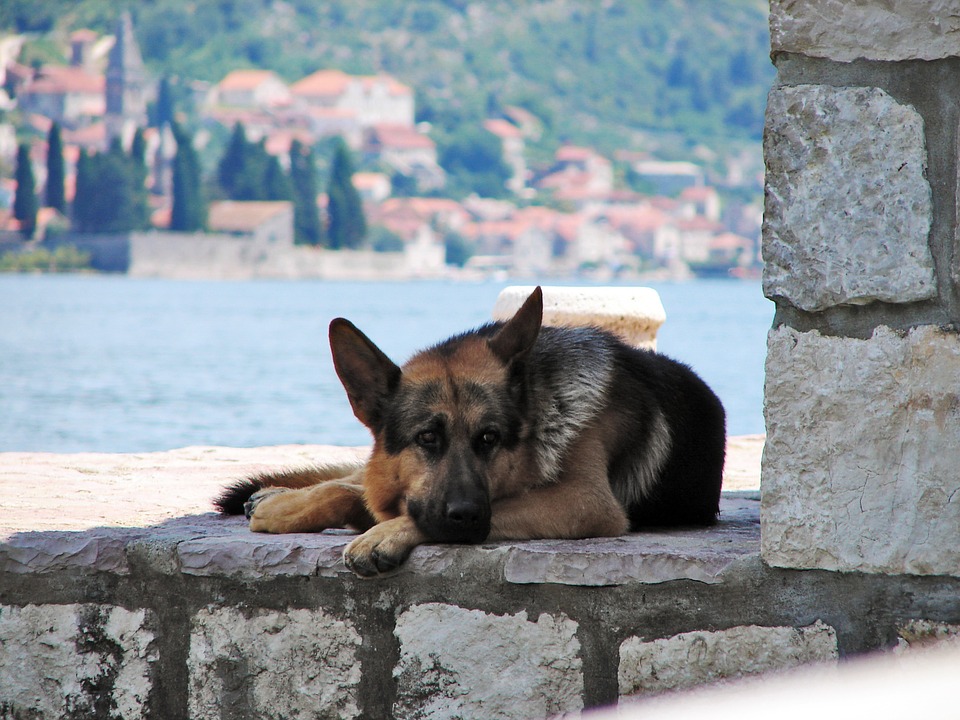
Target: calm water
{"x": 116, "y": 364}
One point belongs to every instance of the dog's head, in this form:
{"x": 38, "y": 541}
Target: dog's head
{"x": 447, "y": 426}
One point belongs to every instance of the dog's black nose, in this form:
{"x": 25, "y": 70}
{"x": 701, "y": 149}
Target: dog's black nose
{"x": 465, "y": 514}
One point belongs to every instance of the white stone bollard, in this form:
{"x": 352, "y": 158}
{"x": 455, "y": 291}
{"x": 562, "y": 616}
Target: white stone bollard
{"x": 633, "y": 313}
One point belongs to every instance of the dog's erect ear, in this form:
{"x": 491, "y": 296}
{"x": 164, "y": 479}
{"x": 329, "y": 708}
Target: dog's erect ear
{"x": 368, "y": 375}
{"x": 518, "y": 335}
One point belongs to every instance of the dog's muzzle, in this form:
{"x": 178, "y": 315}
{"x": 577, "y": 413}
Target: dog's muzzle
{"x": 458, "y": 520}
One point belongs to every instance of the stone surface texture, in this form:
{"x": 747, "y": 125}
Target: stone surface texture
{"x": 275, "y": 665}
{"x": 924, "y": 634}
{"x": 863, "y": 446}
{"x": 467, "y": 663}
{"x": 642, "y": 557}
{"x": 698, "y": 658}
{"x": 844, "y": 31}
{"x": 848, "y": 208}
{"x": 634, "y": 313}
{"x": 60, "y": 661}
{"x": 92, "y": 513}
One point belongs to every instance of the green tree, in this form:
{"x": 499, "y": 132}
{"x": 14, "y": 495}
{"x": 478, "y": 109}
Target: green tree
{"x": 347, "y": 225}
{"x": 307, "y": 227}
{"x": 111, "y": 197}
{"x": 457, "y": 249}
{"x": 189, "y": 210}
{"x": 276, "y": 183}
{"x": 252, "y": 183}
{"x": 473, "y": 160}
{"x": 163, "y": 109}
{"x": 138, "y": 178}
{"x": 231, "y": 166}
{"x": 83, "y": 191}
{"x": 248, "y": 172}
{"x": 55, "y": 194}
{"x": 25, "y": 203}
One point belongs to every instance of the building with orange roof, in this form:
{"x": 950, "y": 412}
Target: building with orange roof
{"x": 405, "y": 215}
{"x": 72, "y": 96}
{"x": 266, "y": 220}
{"x": 373, "y": 99}
{"x": 650, "y": 231}
{"x": 511, "y": 139}
{"x": 407, "y": 151}
{"x": 334, "y": 122}
{"x": 696, "y": 236}
{"x": 731, "y": 248}
{"x": 702, "y": 200}
{"x": 579, "y": 175}
{"x": 374, "y": 187}
{"x": 251, "y": 89}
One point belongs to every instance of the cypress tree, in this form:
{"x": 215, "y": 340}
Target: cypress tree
{"x": 347, "y": 225}
{"x": 232, "y": 165}
{"x": 81, "y": 199}
{"x": 276, "y": 183}
{"x": 252, "y": 183}
{"x": 163, "y": 111}
{"x": 307, "y": 228}
{"x": 56, "y": 195}
{"x": 25, "y": 203}
{"x": 110, "y": 196}
{"x": 189, "y": 211}
{"x": 138, "y": 177}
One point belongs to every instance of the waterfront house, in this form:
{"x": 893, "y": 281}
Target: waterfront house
{"x": 262, "y": 221}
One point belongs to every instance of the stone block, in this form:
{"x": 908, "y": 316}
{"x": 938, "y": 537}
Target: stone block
{"x": 257, "y": 556}
{"x": 272, "y": 665}
{"x": 59, "y": 661}
{"x": 634, "y": 313}
{"x": 848, "y": 207}
{"x": 926, "y": 634}
{"x": 466, "y": 663}
{"x": 703, "y": 657}
{"x": 873, "y": 30}
{"x": 652, "y": 557}
{"x": 863, "y": 445}
{"x": 65, "y": 551}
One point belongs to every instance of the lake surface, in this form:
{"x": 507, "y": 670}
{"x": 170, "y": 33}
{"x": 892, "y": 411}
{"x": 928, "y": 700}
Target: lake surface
{"x": 117, "y": 364}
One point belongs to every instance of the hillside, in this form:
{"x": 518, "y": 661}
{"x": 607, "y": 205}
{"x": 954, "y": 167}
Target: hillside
{"x": 637, "y": 74}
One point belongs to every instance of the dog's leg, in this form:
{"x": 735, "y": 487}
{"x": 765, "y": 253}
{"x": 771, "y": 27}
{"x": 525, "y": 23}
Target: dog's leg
{"x": 579, "y": 504}
{"x": 332, "y": 504}
{"x": 383, "y": 547}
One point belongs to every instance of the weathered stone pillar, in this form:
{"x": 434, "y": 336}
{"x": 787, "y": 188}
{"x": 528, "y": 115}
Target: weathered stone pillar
{"x": 861, "y": 469}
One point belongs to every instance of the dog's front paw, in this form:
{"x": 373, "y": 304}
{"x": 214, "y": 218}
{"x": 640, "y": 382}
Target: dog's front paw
{"x": 383, "y": 547}
{"x": 250, "y": 506}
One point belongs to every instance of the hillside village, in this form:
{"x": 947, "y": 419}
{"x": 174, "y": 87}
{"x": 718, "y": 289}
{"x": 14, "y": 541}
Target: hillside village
{"x": 575, "y": 216}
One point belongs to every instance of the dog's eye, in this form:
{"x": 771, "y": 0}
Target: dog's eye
{"x": 489, "y": 438}
{"x": 427, "y": 439}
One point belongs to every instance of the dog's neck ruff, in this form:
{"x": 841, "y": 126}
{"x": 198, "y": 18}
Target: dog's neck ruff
{"x": 569, "y": 380}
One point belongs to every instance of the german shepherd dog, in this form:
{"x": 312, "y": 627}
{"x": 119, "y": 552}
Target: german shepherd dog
{"x": 510, "y": 431}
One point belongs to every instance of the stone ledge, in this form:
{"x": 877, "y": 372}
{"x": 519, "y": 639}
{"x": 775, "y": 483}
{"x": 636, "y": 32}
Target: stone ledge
{"x": 96, "y": 512}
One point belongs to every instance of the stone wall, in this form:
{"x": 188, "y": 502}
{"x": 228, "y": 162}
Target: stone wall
{"x": 860, "y": 248}
{"x": 211, "y": 256}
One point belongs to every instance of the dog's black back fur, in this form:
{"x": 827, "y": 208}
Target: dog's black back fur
{"x": 688, "y": 490}
{"x": 669, "y": 440}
